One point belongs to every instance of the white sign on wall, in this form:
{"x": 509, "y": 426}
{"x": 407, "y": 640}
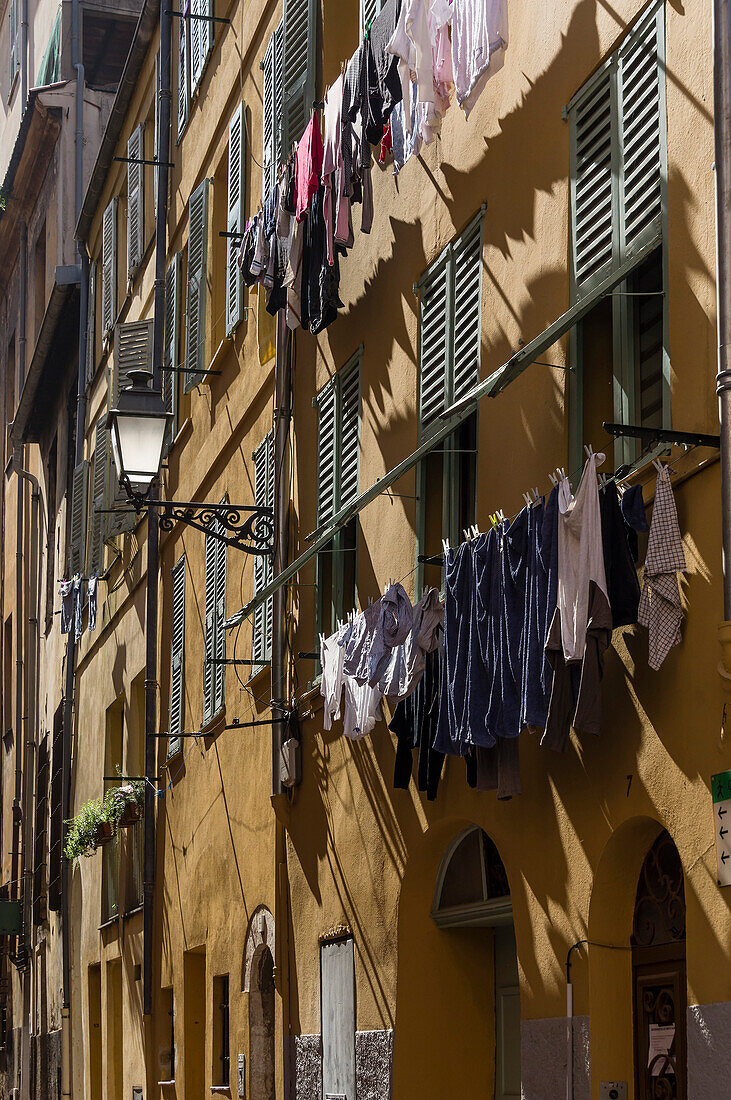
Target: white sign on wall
{"x": 721, "y": 792}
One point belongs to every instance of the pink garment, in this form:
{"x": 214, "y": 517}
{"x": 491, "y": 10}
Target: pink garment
{"x": 308, "y": 166}
{"x": 479, "y": 35}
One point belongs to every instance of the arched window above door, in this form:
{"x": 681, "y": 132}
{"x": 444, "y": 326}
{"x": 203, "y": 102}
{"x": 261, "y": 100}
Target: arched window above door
{"x": 472, "y": 886}
{"x": 659, "y": 916}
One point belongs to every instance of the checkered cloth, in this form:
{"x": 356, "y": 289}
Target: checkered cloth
{"x": 660, "y": 607}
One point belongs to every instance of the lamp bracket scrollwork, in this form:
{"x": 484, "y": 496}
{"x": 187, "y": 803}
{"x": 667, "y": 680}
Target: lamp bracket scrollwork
{"x": 242, "y": 526}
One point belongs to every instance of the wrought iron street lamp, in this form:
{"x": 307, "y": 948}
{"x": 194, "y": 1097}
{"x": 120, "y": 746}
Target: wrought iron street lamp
{"x": 137, "y": 427}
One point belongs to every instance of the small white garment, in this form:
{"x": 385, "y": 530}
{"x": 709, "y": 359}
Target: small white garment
{"x": 412, "y": 45}
{"x": 479, "y": 35}
{"x": 362, "y": 709}
{"x": 331, "y": 684}
{"x": 580, "y": 556}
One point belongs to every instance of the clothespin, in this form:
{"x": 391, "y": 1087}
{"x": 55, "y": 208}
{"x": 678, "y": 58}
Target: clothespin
{"x": 588, "y": 451}
{"x": 553, "y": 479}
{"x": 445, "y": 545}
{"x": 501, "y": 516}
{"x": 475, "y": 530}
{"x": 527, "y": 499}
{"x": 561, "y": 473}
{"x": 536, "y": 494}
{"x": 465, "y": 534}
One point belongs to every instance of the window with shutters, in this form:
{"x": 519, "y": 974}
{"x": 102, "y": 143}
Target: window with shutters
{"x": 171, "y": 350}
{"x": 617, "y": 218}
{"x": 55, "y": 848}
{"x": 177, "y": 660}
{"x": 235, "y": 218}
{"x": 214, "y": 617}
{"x": 450, "y": 333}
{"x": 183, "y": 74}
{"x": 200, "y": 34}
{"x": 338, "y": 467}
{"x": 109, "y": 268}
{"x": 196, "y": 291}
{"x": 272, "y": 143}
{"x": 263, "y": 566}
{"x": 91, "y": 325}
{"x": 79, "y": 505}
{"x": 40, "y": 838}
{"x": 135, "y": 200}
{"x": 300, "y": 68}
{"x": 14, "y": 17}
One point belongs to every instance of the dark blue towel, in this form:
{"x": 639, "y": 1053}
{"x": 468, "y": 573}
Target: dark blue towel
{"x": 481, "y": 657}
{"x": 453, "y": 726}
{"x": 514, "y": 576}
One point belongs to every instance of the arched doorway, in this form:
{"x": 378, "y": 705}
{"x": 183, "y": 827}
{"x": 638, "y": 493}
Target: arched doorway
{"x": 472, "y": 891}
{"x": 658, "y": 970}
{"x": 261, "y": 1026}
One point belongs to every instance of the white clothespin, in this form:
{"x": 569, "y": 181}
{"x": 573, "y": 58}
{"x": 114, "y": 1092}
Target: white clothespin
{"x": 527, "y": 499}
{"x": 475, "y": 530}
{"x": 501, "y": 516}
{"x": 588, "y": 451}
{"x": 465, "y": 534}
{"x": 553, "y": 479}
{"x": 445, "y": 545}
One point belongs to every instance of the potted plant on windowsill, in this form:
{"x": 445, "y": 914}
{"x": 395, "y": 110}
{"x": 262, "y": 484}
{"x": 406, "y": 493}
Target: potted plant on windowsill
{"x": 91, "y": 828}
{"x": 127, "y": 803}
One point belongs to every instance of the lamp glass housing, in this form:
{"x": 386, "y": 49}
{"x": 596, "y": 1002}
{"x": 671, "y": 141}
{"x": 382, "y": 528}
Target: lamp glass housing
{"x": 137, "y": 443}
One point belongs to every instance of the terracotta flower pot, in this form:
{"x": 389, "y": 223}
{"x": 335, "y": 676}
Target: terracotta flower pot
{"x": 105, "y": 832}
{"x": 132, "y": 813}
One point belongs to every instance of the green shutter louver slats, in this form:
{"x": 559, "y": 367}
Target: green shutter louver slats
{"x": 99, "y": 498}
{"x": 219, "y": 640}
{"x": 135, "y": 200}
{"x": 183, "y": 84}
{"x": 268, "y": 561}
{"x": 109, "y": 267}
{"x": 196, "y": 289}
{"x": 592, "y": 183}
{"x": 641, "y": 141}
{"x": 467, "y": 261}
{"x": 209, "y": 627}
{"x": 268, "y": 117}
{"x": 201, "y": 40}
{"x": 91, "y": 325}
{"x": 300, "y": 24}
{"x": 132, "y": 351}
{"x": 15, "y": 22}
{"x": 349, "y": 435}
{"x": 235, "y": 219}
{"x": 177, "y": 660}
{"x": 326, "y": 452}
{"x": 279, "y": 146}
{"x": 433, "y": 345}
{"x": 79, "y": 503}
{"x": 172, "y": 344}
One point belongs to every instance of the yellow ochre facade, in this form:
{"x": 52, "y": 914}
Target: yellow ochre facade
{"x": 339, "y": 937}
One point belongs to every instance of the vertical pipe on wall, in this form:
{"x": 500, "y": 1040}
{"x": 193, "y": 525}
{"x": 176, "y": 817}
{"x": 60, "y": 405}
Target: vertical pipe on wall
{"x": 23, "y": 54}
{"x": 282, "y": 414}
{"x": 158, "y": 336}
{"x": 722, "y": 138}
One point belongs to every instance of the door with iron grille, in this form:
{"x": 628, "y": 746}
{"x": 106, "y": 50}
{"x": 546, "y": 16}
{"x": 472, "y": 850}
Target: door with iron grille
{"x": 658, "y": 963}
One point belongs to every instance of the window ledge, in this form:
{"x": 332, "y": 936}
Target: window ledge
{"x": 133, "y": 912}
{"x": 110, "y": 922}
{"x": 257, "y": 677}
{"x": 167, "y": 1084}
{"x": 220, "y": 1090}
{"x": 213, "y": 727}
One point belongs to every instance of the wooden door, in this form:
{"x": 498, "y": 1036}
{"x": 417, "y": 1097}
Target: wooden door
{"x": 507, "y": 1015}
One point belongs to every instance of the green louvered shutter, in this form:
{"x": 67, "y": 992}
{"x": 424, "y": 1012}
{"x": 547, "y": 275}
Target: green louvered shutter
{"x": 235, "y": 219}
{"x": 201, "y": 40}
{"x": 183, "y": 77}
{"x": 348, "y": 450}
{"x": 209, "y": 627}
{"x": 91, "y": 326}
{"x": 592, "y": 186}
{"x": 196, "y": 289}
{"x": 99, "y": 498}
{"x": 14, "y": 16}
{"x": 132, "y": 351}
{"x": 109, "y": 268}
{"x": 272, "y": 91}
{"x": 79, "y": 502}
{"x": 466, "y": 313}
{"x": 219, "y": 641}
{"x": 641, "y": 111}
{"x": 177, "y": 660}
{"x": 434, "y": 308}
{"x": 263, "y": 566}
{"x": 300, "y": 59}
{"x": 171, "y": 359}
{"x": 326, "y": 452}
{"x": 135, "y": 200}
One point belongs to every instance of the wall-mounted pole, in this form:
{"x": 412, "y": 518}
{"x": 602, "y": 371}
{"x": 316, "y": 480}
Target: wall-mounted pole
{"x": 722, "y": 137}
{"x": 282, "y": 415}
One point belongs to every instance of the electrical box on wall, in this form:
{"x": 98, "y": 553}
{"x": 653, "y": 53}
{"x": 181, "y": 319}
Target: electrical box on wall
{"x": 613, "y": 1090}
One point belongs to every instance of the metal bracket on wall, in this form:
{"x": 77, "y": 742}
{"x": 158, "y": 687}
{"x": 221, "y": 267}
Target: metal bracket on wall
{"x": 662, "y": 435}
{"x": 200, "y": 18}
{"x": 143, "y": 160}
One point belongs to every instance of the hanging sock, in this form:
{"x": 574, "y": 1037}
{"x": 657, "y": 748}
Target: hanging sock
{"x": 92, "y": 590}
{"x": 67, "y": 605}
{"x": 78, "y": 586}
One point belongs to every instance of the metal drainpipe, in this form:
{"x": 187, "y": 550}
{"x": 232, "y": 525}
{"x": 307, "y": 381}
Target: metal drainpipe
{"x": 153, "y": 550}
{"x": 282, "y": 415}
{"x": 722, "y": 138}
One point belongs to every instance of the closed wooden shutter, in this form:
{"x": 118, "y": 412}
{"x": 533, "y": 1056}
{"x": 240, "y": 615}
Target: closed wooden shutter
{"x": 300, "y": 34}
{"x": 183, "y": 75}
{"x": 264, "y": 488}
{"x": 327, "y": 453}
{"x": 91, "y": 326}
{"x": 209, "y": 627}
{"x": 641, "y": 107}
{"x": 235, "y": 219}
{"x": 349, "y": 444}
{"x": 132, "y": 351}
{"x": 177, "y": 668}
{"x": 201, "y": 40}
{"x": 219, "y": 641}
{"x": 99, "y": 498}
{"x": 592, "y": 187}
{"x": 337, "y": 1008}
{"x": 79, "y": 503}
{"x": 433, "y": 343}
{"x": 467, "y": 298}
{"x": 171, "y": 352}
{"x": 109, "y": 268}
{"x": 272, "y": 91}
{"x": 135, "y": 200}
{"x": 196, "y": 289}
